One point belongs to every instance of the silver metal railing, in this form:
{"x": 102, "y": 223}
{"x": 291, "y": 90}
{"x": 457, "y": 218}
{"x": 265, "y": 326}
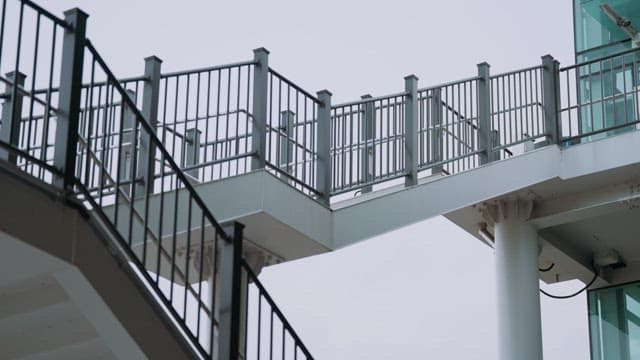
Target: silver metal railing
{"x": 448, "y": 130}
{"x": 367, "y": 141}
{"x": 291, "y": 130}
{"x": 226, "y": 120}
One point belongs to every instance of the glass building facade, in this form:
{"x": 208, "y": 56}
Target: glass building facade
{"x": 614, "y": 322}
{"x": 606, "y": 89}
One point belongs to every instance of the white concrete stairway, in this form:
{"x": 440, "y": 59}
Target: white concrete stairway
{"x": 65, "y": 289}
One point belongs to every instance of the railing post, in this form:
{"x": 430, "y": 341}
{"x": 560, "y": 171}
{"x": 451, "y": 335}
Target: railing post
{"x": 323, "y": 171}
{"x": 551, "y": 97}
{"x": 260, "y": 94}
{"x": 230, "y": 293}
{"x": 192, "y": 138}
{"x": 11, "y": 115}
{"x": 485, "y": 135}
{"x": 367, "y": 132}
{"x": 286, "y": 144}
{"x": 127, "y": 152}
{"x": 411, "y": 130}
{"x": 435, "y": 108}
{"x": 150, "y": 100}
{"x": 66, "y": 141}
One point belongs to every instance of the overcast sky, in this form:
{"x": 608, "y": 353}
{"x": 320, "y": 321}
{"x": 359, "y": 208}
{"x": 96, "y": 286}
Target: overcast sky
{"x": 422, "y": 292}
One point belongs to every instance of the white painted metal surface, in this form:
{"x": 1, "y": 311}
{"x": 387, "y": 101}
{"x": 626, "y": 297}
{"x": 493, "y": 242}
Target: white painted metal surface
{"x": 518, "y": 298}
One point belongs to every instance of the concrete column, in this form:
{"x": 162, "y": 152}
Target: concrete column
{"x": 518, "y": 297}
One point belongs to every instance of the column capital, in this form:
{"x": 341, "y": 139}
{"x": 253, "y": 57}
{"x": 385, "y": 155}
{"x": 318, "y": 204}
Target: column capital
{"x": 506, "y": 208}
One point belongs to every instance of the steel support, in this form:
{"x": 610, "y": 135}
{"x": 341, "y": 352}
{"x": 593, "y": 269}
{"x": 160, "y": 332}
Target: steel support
{"x": 323, "y": 171}
{"x": 518, "y": 297}
{"x": 411, "y": 130}
{"x": 259, "y": 120}
{"x": 66, "y": 141}
{"x": 435, "y": 107}
{"x": 11, "y": 115}
{"x": 150, "y": 100}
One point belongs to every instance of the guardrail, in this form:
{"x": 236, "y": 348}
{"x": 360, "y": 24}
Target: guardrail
{"x": 69, "y": 122}
{"x": 599, "y": 98}
{"x": 227, "y": 120}
{"x": 291, "y": 128}
{"x": 448, "y": 130}
{"x": 367, "y": 142}
{"x": 272, "y": 336}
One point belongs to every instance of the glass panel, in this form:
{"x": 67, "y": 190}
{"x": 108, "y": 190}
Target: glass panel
{"x": 607, "y": 88}
{"x": 614, "y": 322}
{"x": 596, "y": 34}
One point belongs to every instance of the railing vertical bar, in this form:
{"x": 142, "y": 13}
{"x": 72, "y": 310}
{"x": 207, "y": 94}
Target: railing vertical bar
{"x": 200, "y": 278}
{"x": 246, "y": 122}
{"x": 132, "y": 171}
{"x": 90, "y": 122}
{"x": 174, "y": 236}
{"x": 271, "y": 336}
{"x": 237, "y": 124}
{"x": 174, "y": 137}
{"x": 228, "y": 120}
{"x": 187, "y": 253}
{"x": 2, "y": 23}
{"x": 259, "y": 349}
{"x": 33, "y": 84}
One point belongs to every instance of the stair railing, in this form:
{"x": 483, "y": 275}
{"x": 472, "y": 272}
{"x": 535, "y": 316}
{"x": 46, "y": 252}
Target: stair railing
{"x": 72, "y": 124}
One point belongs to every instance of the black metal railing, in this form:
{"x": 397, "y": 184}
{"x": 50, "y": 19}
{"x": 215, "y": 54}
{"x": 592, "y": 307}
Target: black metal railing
{"x": 272, "y": 336}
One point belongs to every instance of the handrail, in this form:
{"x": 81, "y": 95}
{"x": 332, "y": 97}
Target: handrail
{"x": 371, "y": 99}
{"x": 262, "y": 291}
{"x": 293, "y": 85}
{"x": 46, "y": 13}
{"x": 599, "y": 59}
{"x": 207, "y": 69}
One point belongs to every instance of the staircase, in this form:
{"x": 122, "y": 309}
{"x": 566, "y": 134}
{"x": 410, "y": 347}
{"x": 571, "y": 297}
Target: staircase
{"x": 75, "y": 133}
{"x": 138, "y": 167}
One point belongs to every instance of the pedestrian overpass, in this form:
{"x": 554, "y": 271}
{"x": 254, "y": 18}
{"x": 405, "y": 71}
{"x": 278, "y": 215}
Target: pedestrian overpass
{"x": 138, "y": 212}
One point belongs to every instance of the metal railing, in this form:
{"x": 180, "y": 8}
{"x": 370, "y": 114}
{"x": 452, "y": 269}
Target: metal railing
{"x": 227, "y": 120}
{"x": 204, "y": 120}
{"x": 599, "y": 98}
{"x": 291, "y": 128}
{"x": 517, "y": 109}
{"x": 272, "y": 336}
{"x": 69, "y": 122}
{"x": 448, "y": 127}
{"x": 367, "y": 142}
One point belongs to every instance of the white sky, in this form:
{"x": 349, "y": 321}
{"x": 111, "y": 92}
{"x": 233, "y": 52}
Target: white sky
{"x": 423, "y": 292}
